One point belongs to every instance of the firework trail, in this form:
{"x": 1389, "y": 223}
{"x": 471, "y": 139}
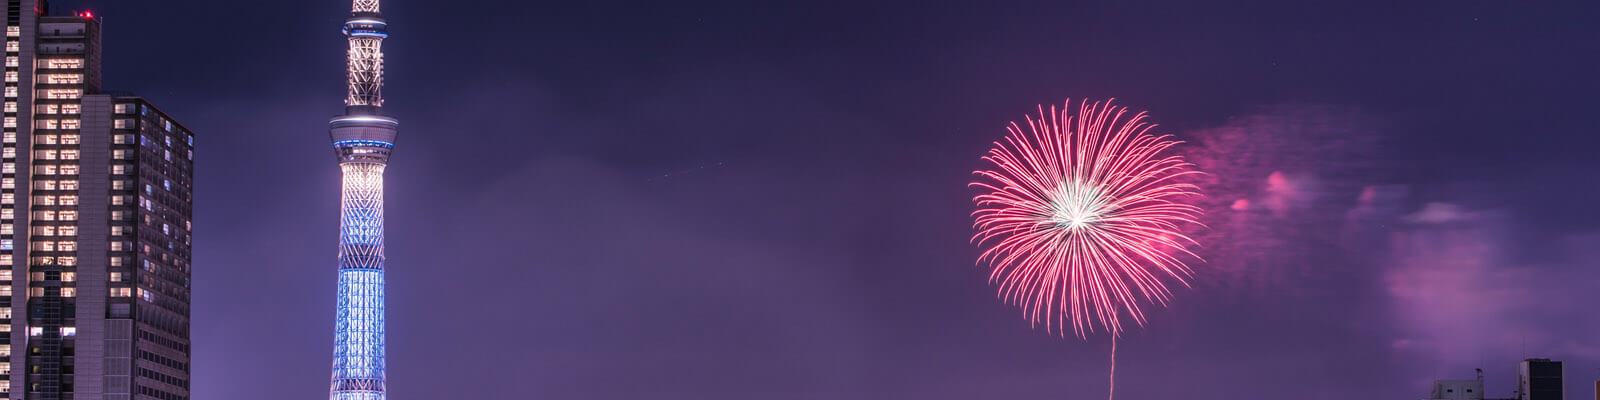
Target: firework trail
{"x": 1081, "y": 218}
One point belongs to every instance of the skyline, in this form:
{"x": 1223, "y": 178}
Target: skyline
{"x": 1452, "y": 144}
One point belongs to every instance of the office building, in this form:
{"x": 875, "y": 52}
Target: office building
{"x": 96, "y": 191}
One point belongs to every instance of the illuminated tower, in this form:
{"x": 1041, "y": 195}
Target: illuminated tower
{"x": 362, "y": 138}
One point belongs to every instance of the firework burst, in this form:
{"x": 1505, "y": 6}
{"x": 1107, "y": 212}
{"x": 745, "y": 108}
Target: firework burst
{"x": 1082, "y": 217}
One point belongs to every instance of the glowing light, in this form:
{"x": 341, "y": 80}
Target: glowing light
{"x": 358, "y": 362}
{"x": 363, "y": 118}
{"x": 374, "y": 143}
{"x": 1082, "y": 218}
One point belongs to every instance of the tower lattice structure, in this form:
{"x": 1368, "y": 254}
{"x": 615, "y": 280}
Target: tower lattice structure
{"x": 362, "y": 139}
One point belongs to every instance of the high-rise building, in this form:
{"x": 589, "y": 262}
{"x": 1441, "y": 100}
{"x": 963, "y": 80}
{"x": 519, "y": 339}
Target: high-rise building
{"x": 95, "y": 211}
{"x": 362, "y": 139}
{"x": 1540, "y": 379}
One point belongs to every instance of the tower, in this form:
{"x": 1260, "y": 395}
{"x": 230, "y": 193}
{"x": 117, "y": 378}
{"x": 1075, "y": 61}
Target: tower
{"x": 362, "y": 138}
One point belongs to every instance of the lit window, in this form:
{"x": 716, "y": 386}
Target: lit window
{"x": 116, "y": 277}
{"x": 67, "y": 261}
{"x": 68, "y": 292}
{"x": 122, "y": 124}
{"x": 69, "y": 139}
{"x": 71, "y": 124}
{"x": 57, "y": 63}
{"x": 69, "y": 154}
{"x": 69, "y": 200}
{"x": 116, "y": 261}
{"x": 121, "y": 292}
{"x": 37, "y": 330}
{"x": 69, "y": 276}
{"x": 63, "y": 78}
{"x": 66, "y": 245}
{"x": 5, "y": 275}
{"x": 47, "y": 124}
{"x": 69, "y": 169}
{"x": 71, "y": 109}
{"x": 61, "y": 93}
{"x": 69, "y": 215}
{"x": 69, "y": 185}
{"x": 11, "y": 61}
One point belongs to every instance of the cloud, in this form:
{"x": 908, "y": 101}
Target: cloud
{"x": 1441, "y": 213}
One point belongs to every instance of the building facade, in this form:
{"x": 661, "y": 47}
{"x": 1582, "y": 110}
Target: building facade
{"x": 96, "y": 193}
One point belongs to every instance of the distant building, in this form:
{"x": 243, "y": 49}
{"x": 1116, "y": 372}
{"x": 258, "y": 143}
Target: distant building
{"x": 1540, "y": 379}
{"x": 1458, "y": 390}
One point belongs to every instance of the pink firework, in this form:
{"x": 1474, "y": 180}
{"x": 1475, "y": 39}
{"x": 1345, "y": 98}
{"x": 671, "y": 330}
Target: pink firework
{"x": 1082, "y": 217}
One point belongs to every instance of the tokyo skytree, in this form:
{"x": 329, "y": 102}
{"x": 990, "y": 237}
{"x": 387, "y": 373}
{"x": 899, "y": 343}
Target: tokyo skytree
{"x": 362, "y": 138}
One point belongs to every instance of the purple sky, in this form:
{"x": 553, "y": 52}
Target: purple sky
{"x": 735, "y": 200}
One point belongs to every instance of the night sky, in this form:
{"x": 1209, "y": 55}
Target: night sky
{"x": 768, "y": 200}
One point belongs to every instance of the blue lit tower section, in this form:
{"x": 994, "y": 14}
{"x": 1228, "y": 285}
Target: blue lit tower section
{"x": 362, "y": 138}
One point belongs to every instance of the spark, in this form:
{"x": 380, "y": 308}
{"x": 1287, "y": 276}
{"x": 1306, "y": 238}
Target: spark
{"x": 1082, "y": 218}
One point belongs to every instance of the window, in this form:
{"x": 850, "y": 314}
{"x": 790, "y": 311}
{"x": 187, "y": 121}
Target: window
{"x": 69, "y": 276}
{"x": 69, "y": 154}
{"x": 68, "y": 330}
{"x": 71, "y": 109}
{"x": 61, "y": 93}
{"x": 121, "y": 292}
{"x": 69, "y": 200}
{"x": 71, "y": 124}
{"x": 66, "y": 245}
{"x": 47, "y": 124}
{"x": 69, "y": 185}
{"x": 69, "y": 215}
{"x": 63, "y": 78}
{"x": 58, "y": 63}
{"x": 122, "y": 124}
{"x": 123, "y": 108}
{"x": 69, "y": 169}
{"x": 115, "y": 277}
{"x": 11, "y": 122}
{"x": 68, "y": 292}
